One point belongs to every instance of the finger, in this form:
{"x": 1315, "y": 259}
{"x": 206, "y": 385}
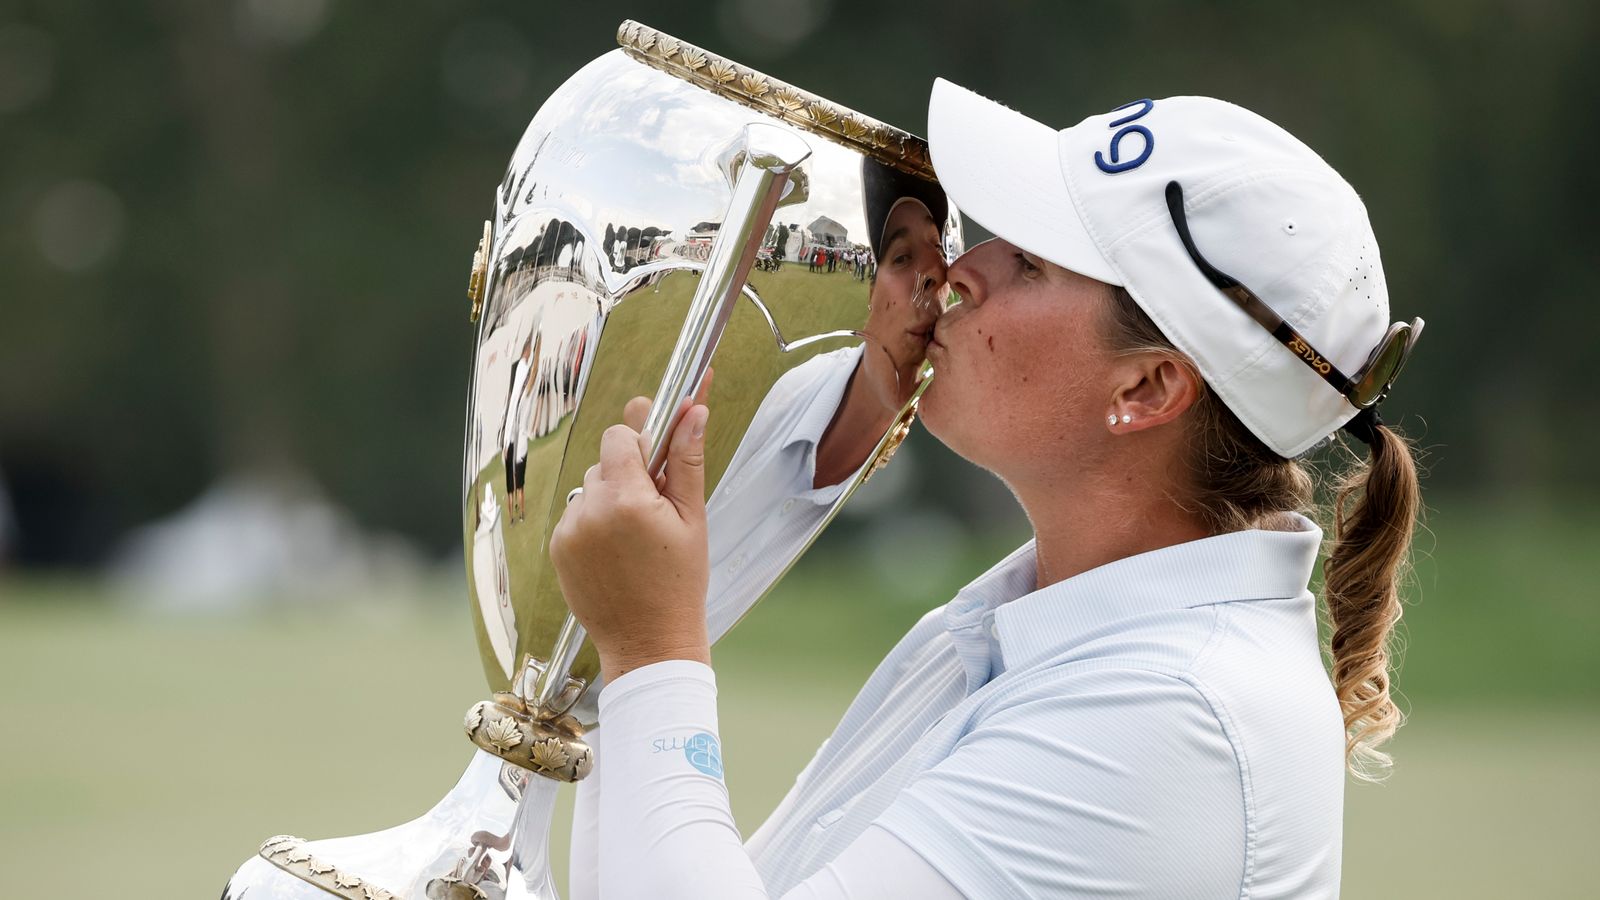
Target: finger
{"x": 636, "y": 413}
{"x": 621, "y": 461}
{"x": 686, "y": 464}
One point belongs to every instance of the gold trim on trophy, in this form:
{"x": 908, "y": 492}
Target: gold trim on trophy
{"x": 480, "y": 274}
{"x": 897, "y": 435}
{"x": 507, "y": 728}
{"x": 882, "y": 142}
{"x": 288, "y": 853}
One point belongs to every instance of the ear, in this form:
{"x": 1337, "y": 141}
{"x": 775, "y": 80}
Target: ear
{"x": 1155, "y": 390}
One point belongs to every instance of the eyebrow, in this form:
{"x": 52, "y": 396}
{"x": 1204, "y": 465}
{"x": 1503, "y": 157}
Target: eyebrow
{"x": 903, "y": 230}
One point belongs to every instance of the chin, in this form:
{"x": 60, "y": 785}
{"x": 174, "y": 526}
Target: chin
{"x": 937, "y": 418}
{"x": 970, "y": 433}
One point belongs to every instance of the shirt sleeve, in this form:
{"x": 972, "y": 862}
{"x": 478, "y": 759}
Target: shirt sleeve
{"x": 1115, "y": 783}
{"x": 665, "y": 827}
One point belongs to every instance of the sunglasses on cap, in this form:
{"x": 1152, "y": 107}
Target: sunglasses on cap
{"x": 1363, "y": 389}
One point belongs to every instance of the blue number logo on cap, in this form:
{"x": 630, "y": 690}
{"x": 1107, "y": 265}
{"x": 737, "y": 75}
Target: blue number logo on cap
{"x": 1116, "y": 164}
{"x": 704, "y": 753}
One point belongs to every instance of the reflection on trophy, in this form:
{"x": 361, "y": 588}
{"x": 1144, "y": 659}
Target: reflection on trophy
{"x": 663, "y": 214}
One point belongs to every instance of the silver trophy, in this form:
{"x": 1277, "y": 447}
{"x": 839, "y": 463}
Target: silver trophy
{"x": 666, "y": 211}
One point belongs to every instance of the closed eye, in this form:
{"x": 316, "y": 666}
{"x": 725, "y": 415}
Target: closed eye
{"x": 1027, "y": 267}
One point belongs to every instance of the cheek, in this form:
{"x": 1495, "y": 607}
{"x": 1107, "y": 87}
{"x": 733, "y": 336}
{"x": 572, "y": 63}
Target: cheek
{"x": 891, "y": 285}
{"x": 1015, "y": 386}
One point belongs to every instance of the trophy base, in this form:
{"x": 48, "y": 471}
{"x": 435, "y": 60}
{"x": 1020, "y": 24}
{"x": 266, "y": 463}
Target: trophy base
{"x": 488, "y": 839}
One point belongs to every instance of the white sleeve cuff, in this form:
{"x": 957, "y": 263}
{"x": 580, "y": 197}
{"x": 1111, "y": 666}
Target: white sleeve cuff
{"x": 644, "y": 677}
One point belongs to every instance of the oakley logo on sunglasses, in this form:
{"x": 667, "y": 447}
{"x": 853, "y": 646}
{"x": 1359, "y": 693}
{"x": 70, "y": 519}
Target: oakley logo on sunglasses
{"x": 1116, "y": 164}
{"x": 1312, "y": 357}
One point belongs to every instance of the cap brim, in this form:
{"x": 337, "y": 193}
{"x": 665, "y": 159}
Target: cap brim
{"x": 1003, "y": 170}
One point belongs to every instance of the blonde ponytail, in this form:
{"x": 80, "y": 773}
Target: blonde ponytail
{"x": 1374, "y": 518}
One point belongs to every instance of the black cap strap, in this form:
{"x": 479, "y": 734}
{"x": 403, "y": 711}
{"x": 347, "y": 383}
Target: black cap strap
{"x": 1364, "y": 427}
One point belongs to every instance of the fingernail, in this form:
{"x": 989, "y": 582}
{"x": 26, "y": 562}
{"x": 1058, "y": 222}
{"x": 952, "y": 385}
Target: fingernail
{"x": 700, "y": 425}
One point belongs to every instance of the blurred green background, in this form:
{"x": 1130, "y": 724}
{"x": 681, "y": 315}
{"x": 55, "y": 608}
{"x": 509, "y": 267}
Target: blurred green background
{"x": 234, "y": 237}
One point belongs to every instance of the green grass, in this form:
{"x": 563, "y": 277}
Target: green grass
{"x": 146, "y": 757}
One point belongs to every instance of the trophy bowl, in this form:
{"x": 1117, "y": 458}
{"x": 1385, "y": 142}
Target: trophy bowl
{"x": 666, "y": 212}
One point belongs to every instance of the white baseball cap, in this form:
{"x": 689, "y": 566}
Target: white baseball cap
{"x": 1260, "y": 206}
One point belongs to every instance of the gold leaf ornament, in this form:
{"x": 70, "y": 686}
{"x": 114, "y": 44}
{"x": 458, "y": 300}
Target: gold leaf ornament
{"x": 667, "y": 46}
{"x": 821, "y": 114}
{"x": 853, "y": 127}
{"x": 754, "y": 85}
{"x": 721, "y": 71}
{"x": 787, "y": 99}
{"x": 549, "y": 754}
{"x": 694, "y": 59}
{"x": 502, "y": 734}
{"x": 346, "y": 880}
{"x": 474, "y": 719}
{"x": 318, "y": 867}
{"x": 643, "y": 39}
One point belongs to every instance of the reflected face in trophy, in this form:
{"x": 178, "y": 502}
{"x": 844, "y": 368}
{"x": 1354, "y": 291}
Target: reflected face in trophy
{"x": 907, "y": 297}
{"x": 1022, "y": 372}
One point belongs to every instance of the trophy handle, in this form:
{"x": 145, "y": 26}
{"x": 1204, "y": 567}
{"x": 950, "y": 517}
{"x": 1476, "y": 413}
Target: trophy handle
{"x": 770, "y": 153}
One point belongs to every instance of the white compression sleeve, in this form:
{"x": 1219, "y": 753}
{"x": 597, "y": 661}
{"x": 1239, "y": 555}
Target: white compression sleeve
{"x": 583, "y": 857}
{"x": 665, "y": 827}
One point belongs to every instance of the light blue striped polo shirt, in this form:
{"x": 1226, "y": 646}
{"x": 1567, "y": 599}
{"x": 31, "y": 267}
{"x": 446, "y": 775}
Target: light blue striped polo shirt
{"x": 1161, "y": 726}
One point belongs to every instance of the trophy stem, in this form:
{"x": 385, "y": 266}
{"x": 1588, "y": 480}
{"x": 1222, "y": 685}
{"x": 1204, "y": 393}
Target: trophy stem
{"x": 530, "y": 848}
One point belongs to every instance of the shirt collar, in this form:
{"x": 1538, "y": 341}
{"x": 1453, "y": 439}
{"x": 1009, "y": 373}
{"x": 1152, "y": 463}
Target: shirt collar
{"x": 969, "y": 617}
{"x": 1242, "y": 565}
{"x": 824, "y": 403}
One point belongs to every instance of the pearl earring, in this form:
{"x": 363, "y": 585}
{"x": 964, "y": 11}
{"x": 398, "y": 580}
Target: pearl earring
{"x": 1126, "y": 418}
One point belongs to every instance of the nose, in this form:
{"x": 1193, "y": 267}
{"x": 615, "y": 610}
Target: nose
{"x": 933, "y": 269}
{"x": 963, "y": 276}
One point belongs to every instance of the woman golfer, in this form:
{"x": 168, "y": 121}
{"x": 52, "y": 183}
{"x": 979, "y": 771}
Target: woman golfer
{"x": 1181, "y": 301}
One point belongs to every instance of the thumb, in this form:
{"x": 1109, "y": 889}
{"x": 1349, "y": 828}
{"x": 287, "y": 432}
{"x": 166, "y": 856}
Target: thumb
{"x": 686, "y": 464}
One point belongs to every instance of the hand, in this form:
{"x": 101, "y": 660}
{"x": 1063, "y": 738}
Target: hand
{"x": 631, "y": 553}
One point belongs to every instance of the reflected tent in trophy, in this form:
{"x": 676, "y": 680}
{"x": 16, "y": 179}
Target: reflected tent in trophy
{"x": 621, "y": 261}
